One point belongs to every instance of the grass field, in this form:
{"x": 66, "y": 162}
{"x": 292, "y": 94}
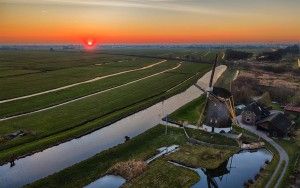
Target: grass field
{"x": 57, "y": 97}
{"x": 56, "y": 125}
{"x": 53, "y": 70}
{"x": 141, "y": 147}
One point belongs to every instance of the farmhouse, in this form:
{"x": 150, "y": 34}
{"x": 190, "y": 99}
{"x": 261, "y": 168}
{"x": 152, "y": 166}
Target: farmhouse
{"x": 254, "y": 112}
{"x": 277, "y": 125}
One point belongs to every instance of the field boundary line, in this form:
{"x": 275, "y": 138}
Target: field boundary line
{"x": 79, "y": 83}
{"x": 90, "y": 95}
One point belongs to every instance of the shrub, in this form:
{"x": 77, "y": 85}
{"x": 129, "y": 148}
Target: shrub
{"x": 256, "y": 176}
{"x": 250, "y": 181}
{"x": 261, "y": 169}
{"x": 128, "y": 169}
{"x": 267, "y": 161}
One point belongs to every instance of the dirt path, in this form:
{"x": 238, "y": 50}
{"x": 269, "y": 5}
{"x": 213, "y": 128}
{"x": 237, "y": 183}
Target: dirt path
{"x": 79, "y": 83}
{"x": 80, "y": 98}
{"x": 283, "y": 156}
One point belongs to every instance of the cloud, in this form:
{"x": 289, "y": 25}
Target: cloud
{"x": 167, "y": 5}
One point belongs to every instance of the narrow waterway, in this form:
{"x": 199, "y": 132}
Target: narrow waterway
{"x": 54, "y": 159}
{"x": 236, "y": 171}
{"x": 108, "y": 181}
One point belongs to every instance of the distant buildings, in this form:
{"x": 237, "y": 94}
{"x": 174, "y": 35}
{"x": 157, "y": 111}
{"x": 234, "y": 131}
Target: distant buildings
{"x": 276, "y": 124}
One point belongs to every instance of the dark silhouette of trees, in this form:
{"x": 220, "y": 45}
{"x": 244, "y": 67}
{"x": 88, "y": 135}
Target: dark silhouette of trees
{"x": 237, "y": 55}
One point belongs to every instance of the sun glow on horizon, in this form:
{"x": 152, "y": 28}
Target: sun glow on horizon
{"x": 173, "y": 21}
{"x": 89, "y": 44}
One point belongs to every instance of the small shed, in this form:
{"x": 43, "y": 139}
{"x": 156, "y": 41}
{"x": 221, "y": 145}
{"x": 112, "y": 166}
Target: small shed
{"x": 277, "y": 124}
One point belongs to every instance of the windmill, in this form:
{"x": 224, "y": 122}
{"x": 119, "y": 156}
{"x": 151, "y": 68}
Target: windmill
{"x": 218, "y": 113}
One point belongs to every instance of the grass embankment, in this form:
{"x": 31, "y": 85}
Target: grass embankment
{"x": 268, "y": 171}
{"x": 217, "y": 139}
{"x": 164, "y": 174}
{"x": 142, "y": 147}
{"x": 226, "y": 78}
{"x": 57, "y": 70}
{"x": 293, "y": 150}
{"x": 81, "y": 117}
{"x": 278, "y": 174}
{"x": 201, "y": 156}
{"x": 190, "y": 112}
{"x": 49, "y": 99}
{"x": 276, "y": 106}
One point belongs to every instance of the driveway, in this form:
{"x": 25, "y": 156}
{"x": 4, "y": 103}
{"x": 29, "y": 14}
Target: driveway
{"x": 282, "y": 153}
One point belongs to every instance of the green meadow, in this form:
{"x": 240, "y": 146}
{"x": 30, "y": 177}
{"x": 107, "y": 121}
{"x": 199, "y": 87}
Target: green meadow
{"x": 78, "y": 117}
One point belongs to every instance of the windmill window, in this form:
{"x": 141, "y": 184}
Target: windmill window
{"x": 211, "y": 120}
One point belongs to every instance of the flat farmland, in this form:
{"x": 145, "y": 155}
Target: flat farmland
{"x": 53, "y": 98}
{"x": 53, "y": 71}
{"x": 83, "y": 108}
{"x": 206, "y": 54}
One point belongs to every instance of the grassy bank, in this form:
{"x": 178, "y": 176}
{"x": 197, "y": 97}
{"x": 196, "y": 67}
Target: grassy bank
{"x": 293, "y": 151}
{"x": 190, "y": 112}
{"x": 268, "y": 171}
{"x": 201, "y": 156}
{"x": 164, "y": 174}
{"x": 217, "y": 139}
{"x": 64, "y": 125}
{"x": 226, "y": 78}
{"x": 142, "y": 147}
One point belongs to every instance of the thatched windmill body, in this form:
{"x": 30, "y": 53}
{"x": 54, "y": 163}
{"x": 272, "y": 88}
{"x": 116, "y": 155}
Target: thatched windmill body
{"x": 218, "y": 113}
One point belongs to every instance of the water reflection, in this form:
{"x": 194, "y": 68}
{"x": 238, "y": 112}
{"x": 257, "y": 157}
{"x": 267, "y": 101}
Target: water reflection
{"x": 235, "y": 171}
{"x": 108, "y": 181}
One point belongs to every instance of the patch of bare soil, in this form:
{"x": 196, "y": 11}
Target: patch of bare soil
{"x": 128, "y": 169}
{"x": 273, "y": 80}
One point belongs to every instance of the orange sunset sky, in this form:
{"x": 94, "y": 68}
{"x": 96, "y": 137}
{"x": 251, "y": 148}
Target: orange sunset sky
{"x": 149, "y": 21}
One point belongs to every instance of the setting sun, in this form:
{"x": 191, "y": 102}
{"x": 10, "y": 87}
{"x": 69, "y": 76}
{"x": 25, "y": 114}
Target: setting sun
{"x": 90, "y": 43}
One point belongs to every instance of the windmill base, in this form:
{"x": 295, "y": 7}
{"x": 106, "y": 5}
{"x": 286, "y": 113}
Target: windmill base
{"x": 216, "y": 130}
